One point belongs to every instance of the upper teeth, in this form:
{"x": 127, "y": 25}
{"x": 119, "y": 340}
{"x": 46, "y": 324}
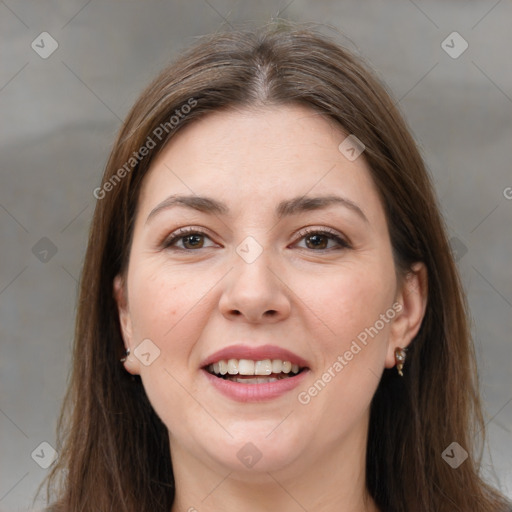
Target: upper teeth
{"x": 249, "y": 367}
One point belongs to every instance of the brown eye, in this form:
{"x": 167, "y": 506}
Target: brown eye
{"x": 195, "y": 241}
{"x": 186, "y": 240}
{"x": 316, "y": 241}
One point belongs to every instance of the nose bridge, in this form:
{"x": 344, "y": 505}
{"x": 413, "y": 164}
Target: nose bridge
{"x": 253, "y": 287}
{"x": 253, "y": 263}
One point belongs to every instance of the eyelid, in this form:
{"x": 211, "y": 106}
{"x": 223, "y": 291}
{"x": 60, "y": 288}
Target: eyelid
{"x": 339, "y": 238}
{"x": 180, "y": 233}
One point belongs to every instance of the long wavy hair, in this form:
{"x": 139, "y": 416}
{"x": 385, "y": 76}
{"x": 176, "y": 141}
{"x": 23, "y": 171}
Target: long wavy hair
{"x": 113, "y": 448}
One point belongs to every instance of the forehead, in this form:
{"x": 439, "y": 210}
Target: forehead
{"x": 243, "y": 156}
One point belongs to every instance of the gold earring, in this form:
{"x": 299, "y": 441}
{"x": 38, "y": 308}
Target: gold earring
{"x": 123, "y": 359}
{"x": 400, "y": 359}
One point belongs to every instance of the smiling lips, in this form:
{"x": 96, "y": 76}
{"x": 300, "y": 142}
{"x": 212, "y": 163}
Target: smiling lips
{"x": 270, "y": 371}
{"x": 237, "y": 370}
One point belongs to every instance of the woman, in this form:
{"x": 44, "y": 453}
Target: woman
{"x": 268, "y": 261}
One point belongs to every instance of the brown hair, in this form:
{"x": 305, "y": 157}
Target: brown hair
{"x": 114, "y": 449}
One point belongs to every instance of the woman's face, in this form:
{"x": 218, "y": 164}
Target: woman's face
{"x": 273, "y": 273}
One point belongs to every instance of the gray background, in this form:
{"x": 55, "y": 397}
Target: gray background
{"x": 60, "y": 114}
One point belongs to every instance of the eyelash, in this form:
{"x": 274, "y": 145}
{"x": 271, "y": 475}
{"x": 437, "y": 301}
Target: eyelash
{"x": 182, "y": 233}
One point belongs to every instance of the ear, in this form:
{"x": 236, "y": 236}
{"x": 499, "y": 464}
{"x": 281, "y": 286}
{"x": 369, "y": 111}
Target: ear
{"x": 411, "y": 299}
{"x": 120, "y": 294}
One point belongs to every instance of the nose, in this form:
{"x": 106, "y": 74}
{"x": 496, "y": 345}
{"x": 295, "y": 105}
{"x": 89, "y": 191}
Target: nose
{"x": 254, "y": 292}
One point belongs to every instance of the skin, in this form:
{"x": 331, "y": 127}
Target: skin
{"x": 313, "y": 302}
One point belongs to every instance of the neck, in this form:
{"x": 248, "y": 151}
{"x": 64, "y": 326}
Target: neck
{"x": 331, "y": 481}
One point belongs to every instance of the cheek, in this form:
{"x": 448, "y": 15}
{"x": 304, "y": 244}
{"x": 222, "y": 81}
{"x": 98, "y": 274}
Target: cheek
{"x": 166, "y": 308}
{"x": 335, "y": 400}
{"x": 159, "y": 297}
{"x": 345, "y": 302}
{"x": 350, "y": 338}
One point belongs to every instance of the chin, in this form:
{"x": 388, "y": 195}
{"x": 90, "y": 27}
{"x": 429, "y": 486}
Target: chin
{"x": 252, "y": 451}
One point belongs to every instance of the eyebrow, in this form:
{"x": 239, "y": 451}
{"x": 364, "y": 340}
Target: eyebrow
{"x": 285, "y": 208}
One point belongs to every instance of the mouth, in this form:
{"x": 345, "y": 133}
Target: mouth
{"x": 248, "y": 371}
{"x": 254, "y": 373}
